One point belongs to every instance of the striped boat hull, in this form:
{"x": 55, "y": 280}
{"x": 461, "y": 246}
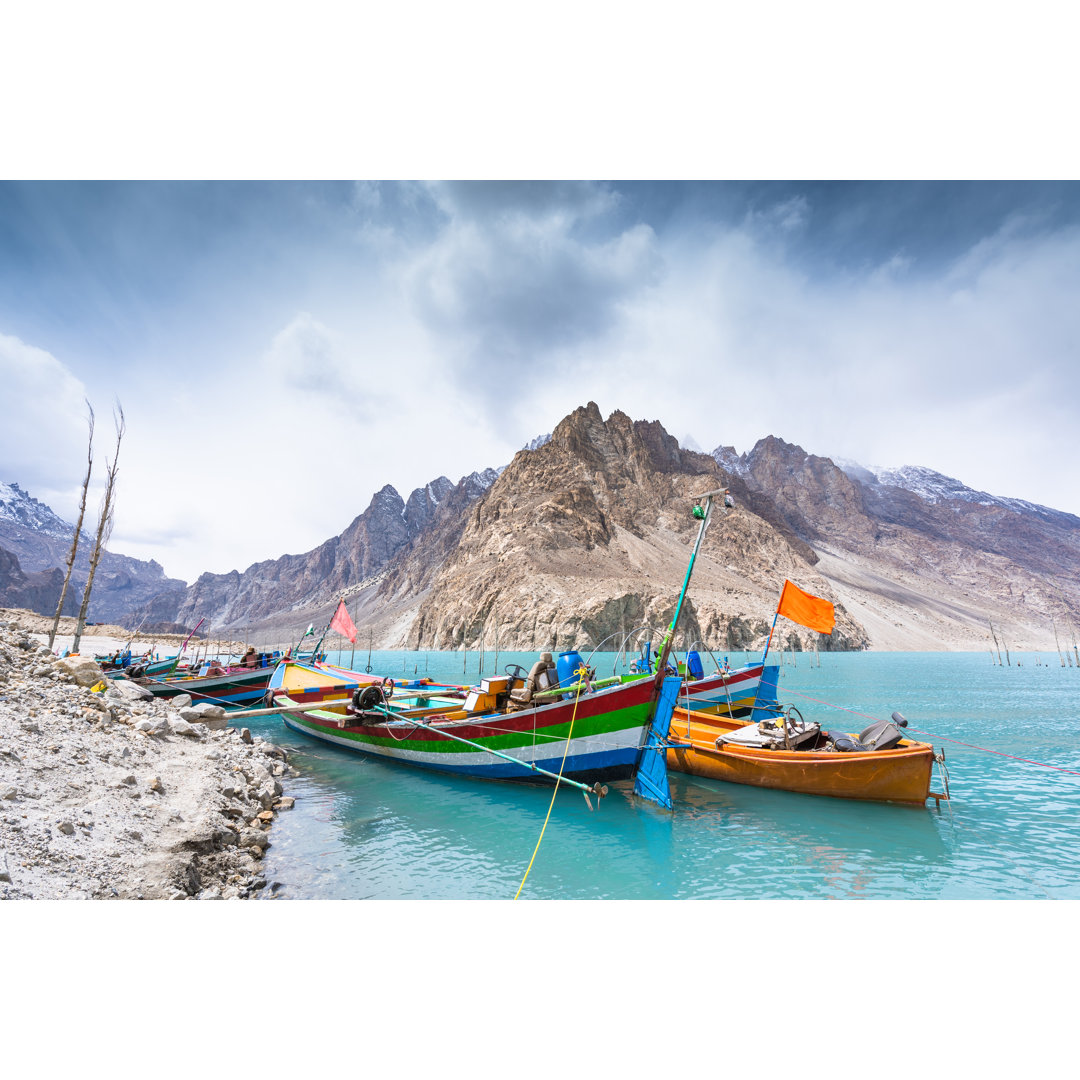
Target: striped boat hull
{"x": 730, "y": 694}
{"x": 601, "y": 736}
{"x": 238, "y": 688}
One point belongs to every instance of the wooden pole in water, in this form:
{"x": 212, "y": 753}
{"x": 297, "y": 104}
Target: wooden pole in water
{"x": 1057, "y": 643}
{"x": 996, "y": 645}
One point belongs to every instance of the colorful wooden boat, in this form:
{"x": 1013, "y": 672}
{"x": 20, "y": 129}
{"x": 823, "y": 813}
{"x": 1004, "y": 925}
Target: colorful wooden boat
{"x": 789, "y": 754}
{"x": 236, "y": 688}
{"x": 585, "y": 737}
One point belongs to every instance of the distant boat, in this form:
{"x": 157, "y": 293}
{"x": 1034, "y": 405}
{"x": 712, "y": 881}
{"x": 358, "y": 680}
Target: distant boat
{"x": 235, "y": 687}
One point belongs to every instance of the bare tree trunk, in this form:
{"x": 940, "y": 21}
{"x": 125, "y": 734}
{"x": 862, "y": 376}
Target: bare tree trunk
{"x": 104, "y": 529}
{"x": 78, "y": 525}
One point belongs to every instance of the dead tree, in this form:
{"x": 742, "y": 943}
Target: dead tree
{"x": 78, "y": 524}
{"x": 104, "y": 529}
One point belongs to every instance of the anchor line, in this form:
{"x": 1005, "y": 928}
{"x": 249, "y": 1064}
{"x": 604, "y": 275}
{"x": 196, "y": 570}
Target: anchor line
{"x": 562, "y": 765}
{"x": 940, "y": 738}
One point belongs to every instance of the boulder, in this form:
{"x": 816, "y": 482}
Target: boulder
{"x": 181, "y": 701}
{"x": 157, "y": 725}
{"x": 81, "y": 668}
{"x": 209, "y": 715}
{"x": 130, "y": 691}
{"x": 182, "y": 727}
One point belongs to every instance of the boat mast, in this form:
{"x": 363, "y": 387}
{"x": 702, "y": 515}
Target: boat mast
{"x": 704, "y": 513}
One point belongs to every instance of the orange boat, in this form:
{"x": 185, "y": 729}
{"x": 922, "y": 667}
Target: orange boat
{"x": 789, "y": 754}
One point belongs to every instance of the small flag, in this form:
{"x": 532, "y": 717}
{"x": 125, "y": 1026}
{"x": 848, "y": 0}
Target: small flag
{"x": 309, "y": 630}
{"x": 342, "y": 623}
{"x": 805, "y": 609}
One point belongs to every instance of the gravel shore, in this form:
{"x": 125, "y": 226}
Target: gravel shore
{"x": 117, "y": 795}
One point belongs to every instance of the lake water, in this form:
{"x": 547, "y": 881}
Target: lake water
{"x": 364, "y": 829}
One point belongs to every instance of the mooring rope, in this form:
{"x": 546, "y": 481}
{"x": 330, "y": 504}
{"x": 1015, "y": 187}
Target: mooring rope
{"x": 940, "y": 738}
{"x": 562, "y": 764}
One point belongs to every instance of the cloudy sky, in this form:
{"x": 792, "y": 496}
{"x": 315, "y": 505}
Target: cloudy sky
{"x": 283, "y": 350}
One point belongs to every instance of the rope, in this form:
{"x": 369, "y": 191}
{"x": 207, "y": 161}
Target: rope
{"x": 562, "y": 764}
{"x": 940, "y": 738}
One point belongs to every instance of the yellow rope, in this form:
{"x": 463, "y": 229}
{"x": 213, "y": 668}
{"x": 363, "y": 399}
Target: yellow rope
{"x": 566, "y": 750}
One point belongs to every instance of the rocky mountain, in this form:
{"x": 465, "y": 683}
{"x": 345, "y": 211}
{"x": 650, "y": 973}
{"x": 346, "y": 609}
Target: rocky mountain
{"x": 268, "y": 593}
{"x": 918, "y": 557}
{"x": 586, "y": 534}
{"x": 36, "y": 543}
{"x": 587, "y": 537}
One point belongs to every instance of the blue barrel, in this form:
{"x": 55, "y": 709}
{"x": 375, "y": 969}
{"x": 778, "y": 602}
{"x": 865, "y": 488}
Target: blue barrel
{"x": 693, "y": 665}
{"x": 566, "y": 665}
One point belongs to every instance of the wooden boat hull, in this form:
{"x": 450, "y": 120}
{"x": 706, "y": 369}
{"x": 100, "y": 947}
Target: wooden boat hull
{"x": 899, "y": 775}
{"x": 233, "y": 689}
{"x": 609, "y": 728}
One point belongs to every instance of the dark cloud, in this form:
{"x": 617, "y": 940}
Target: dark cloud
{"x": 509, "y": 280}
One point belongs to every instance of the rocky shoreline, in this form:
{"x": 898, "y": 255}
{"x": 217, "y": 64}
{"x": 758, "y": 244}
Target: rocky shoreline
{"x": 115, "y": 795}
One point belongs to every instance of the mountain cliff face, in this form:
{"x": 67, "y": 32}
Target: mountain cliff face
{"x": 586, "y": 538}
{"x": 918, "y": 556}
{"x": 38, "y": 591}
{"x": 40, "y": 541}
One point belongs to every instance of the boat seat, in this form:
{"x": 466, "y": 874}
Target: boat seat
{"x": 541, "y": 677}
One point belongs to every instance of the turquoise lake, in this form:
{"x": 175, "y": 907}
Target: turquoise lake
{"x": 362, "y": 829}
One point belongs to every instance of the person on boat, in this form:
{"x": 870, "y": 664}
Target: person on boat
{"x": 250, "y": 658}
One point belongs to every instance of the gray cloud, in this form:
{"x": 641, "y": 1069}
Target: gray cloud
{"x": 510, "y": 279}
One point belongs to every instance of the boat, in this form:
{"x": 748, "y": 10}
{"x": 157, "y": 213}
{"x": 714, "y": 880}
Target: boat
{"x": 788, "y": 753}
{"x": 728, "y": 692}
{"x": 235, "y": 687}
{"x": 553, "y": 722}
{"x": 762, "y": 743}
{"x": 501, "y": 730}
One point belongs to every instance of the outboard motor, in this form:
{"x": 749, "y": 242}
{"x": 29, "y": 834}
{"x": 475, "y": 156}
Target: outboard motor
{"x": 367, "y": 698}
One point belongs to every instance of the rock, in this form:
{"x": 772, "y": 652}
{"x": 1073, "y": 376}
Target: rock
{"x": 181, "y": 701}
{"x": 286, "y": 802}
{"x": 8, "y": 792}
{"x": 245, "y": 735}
{"x": 182, "y": 727}
{"x": 66, "y": 828}
{"x": 207, "y": 708}
{"x": 130, "y": 691}
{"x": 81, "y": 668}
{"x": 210, "y": 723}
{"x": 155, "y": 784}
{"x": 43, "y": 672}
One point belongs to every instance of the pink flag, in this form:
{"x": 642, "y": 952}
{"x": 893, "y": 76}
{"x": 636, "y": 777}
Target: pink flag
{"x": 342, "y": 623}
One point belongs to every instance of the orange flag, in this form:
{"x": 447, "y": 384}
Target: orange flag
{"x": 342, "y": 623}
{"x": 805, "y": 609}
